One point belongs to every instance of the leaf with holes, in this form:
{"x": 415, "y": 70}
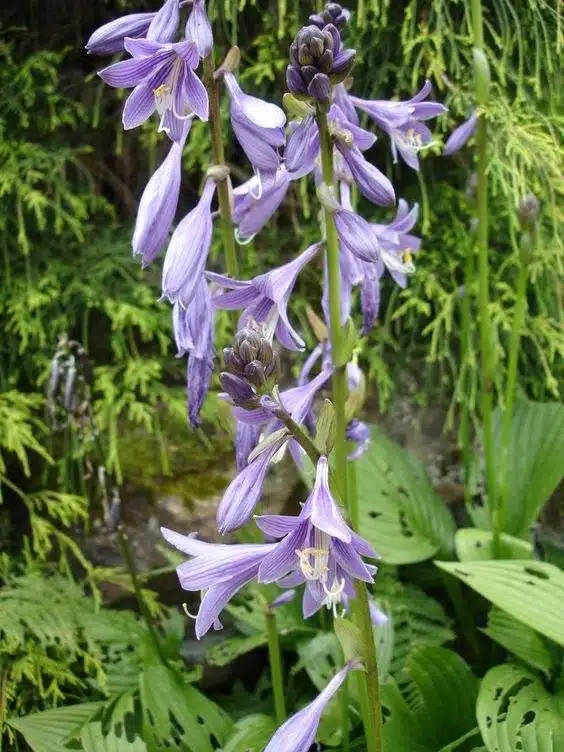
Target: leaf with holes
{"x": 535, "y": 465}
{"x": 228, "y": 650}
{"x": 519, "y": 639}
{"x": 251, "y": 734}
{"x": 442, "y": 709}
{"x": 473, "y": 544}
{"x": 516, "y": 713}
{"x": 50, "y": 730}
{"x": 94, "y": 738}
{"x": 531, "y": 591}
{"x": 400, "y": 513}
{"x": 174, "y": 711}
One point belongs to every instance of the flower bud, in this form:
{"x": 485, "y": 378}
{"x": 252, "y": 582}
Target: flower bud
{"x": 528, "y": 211}
{"x": 242, "y": 393}
{"x": 251, "y": 366}
{"x": 333, "y": 13}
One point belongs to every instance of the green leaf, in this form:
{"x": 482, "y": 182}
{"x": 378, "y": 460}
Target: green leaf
{"x": 349, "y": 637}
{"x": 226, "y": 651}
{"x": 93, "y": 739}
{"x": 48, "y": 731}
{"x": 400, "y": 513}
{"x": 519, "y": 639}
{"x": 515, "y": 712}
{"x": 531, "y": 591}
{"x": 442, "y": 709}
{"x": 321, "y": 657}
{"x": 473, "y": 544}
{"x": 251, "y": 734}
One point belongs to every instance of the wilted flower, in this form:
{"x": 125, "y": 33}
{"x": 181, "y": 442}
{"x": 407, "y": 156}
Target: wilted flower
{"x": 188, "y": 250}
{"x": 297, "y": 734}
{"x": 460, "y": 135}
{"x": 110, "y": 37}
{"x": 198, "y": 28}
{"x": 164, "y": 80}
{"x": 218, "y": 570}
{"x": 318, "y": 548}
{"x": 265, "y": 298}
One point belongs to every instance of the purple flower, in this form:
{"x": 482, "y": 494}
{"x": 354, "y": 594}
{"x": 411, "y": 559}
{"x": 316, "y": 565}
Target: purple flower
{"x": 258, "y": 126}
{"x": 460, "y": 135}
{"x": 265, "y": 298}
{"x": 371, "y": 182}
{"x": 188, "y": 250}
{"x": 246, "y": 438}
{"x": 256, "y": 200}
{"x": 302, "y": 147}
{"x": 158, "y": 204}
{"x": 109, "y": 38}
{"x": 164, "y": 25}
{"x": 198, "y": 28}
{"x": 402, "y": 121}
{"x": 378, "y": 617}
{"x": 318, "y": 548}
{"x": 218, "y": 570}
{"x": 359, "y": 433}
{"x": 297, "y": 734}
{"x": 164, "y": 80}
{"x": 286, "y": 597}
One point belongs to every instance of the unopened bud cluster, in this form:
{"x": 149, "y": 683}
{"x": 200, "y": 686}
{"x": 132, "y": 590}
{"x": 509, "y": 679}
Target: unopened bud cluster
{"x": 251, "y": 367}
{"x": 333, "y": 13}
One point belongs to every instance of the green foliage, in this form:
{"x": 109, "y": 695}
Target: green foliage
{"x": 250, "y": 734}
{"x": 519, "y": 639}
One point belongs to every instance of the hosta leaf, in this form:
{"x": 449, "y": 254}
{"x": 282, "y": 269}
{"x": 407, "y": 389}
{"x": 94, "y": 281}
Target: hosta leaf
{"x": 473, "y": 544}
{"x": 227, "y": 650}
{"x": 518, "y": 639}
{"x": 93, "y": 739}
{"x": 251, "y": 734}
{"x": 531, "y": 591}
{"x": 49, "y": 730}
{"x": 516, "y": 713}
{"x": 400, "y": 513}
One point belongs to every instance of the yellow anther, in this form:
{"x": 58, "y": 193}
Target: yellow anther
{"x": 161, "y": 90}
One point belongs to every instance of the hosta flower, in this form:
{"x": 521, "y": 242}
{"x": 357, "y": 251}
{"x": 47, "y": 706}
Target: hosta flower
{"x": 461, "y": 135}
{"x": 265, "y": 298}
{"x": 188, "y": 250}
{"x": 256, "y": 200}
{"x": 198, "y": 28}
{"x": 258, "y": 126}
{"x": 333, "y": 13}
{"x": 158, "y": 203}
{"x": 217, "y": 570}
{"x": 370, "y": 181}
{"x": 110, "y": 37}
{"x": 377, "y": 616}
{"x": 359, "y": 433}
{"x": 297, "y": 734}
{"x": 164, "y": 80}
{"x": 317, "y": 548}
{"x": 403, "y": 122}
{"x": 164, "y": 25}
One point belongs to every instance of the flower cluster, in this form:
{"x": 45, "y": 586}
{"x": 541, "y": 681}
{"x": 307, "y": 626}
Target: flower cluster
{"x": 316, "y": 549}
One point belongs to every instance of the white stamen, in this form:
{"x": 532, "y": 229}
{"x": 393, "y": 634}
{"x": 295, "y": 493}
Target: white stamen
{"x": 314, "y": 561}
{"x": 185, "y": 607}
{"x": 411, "y": 141}
{"x": 334, "y": 596}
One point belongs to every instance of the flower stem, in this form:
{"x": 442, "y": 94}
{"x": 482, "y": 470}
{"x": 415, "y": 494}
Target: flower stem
{"x": 466, "y": 345}
{"x": 369, "y": 687}
{"x": 483, "y": 270}
{"x": 275, "y": 660}
{"x": 301, "y": 437}
{"x": 226, "y": 218}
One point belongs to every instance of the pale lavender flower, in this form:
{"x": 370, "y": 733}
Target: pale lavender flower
{"x": 265, "y": 298}
{"x": 110, "y": 37}
{"x": 256, "y": 200}
{"x": 402, "y": 121}
{"x": 158, "y": 204}
{"x": 164, "y": 25}
{"x": 377, "y": 616}
{"x": 198, "y": 28}
{"x": 297, "y": 734}
{"x": 258, "y": 126}
{"x": 461, "y": 135}
{"x": 317, "y": 548}
{"x": 302, "y": 147}
{"x": 164, "y": 80}
{"x": 286, "y": 597}
{"x": 359, "y": 433}
{"x": 188, "y": 250}
{"x": 371, "y": 182}
{"x": 218, "y": 570}
{"x": 247, "y": 437}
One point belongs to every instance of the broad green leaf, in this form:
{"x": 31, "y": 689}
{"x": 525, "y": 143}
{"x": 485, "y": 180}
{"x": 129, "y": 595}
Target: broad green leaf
{"x": 226, "y": 651}
{"x": 518, "y": 639}
{"x": 251, "y": 734}
{"x": 350, "y": 638}
{"x": 516, "y": 713}
{"x": 442, "y": 710}
{"x": 93, "y": 739}
{"x": 320, "y": 657}
{"x": 535, "y": 463}
{"x": 531, "y": 591}
{"x": 473, "y": 544}
{"x": 49, "y": 730}
{"x": 400, "y": 513}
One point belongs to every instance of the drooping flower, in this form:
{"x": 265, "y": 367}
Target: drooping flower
{"x": 198, "y": 28}
{"x": 164, "y": 25}
{"x": 265, "y": 298}
{"x": 317, "y": 548}
{"x": 359, "y": 433}
{"x": 371, "y": 182}
{"x": 164, "y": 80}
{"x": 377, "y": 616}
{"x": 218, "y": 570}
{"x": 258, "y": 126}
{"x": 403, "y": 122}
{"x": 297, "y": 734}
{"x": 110, "y": 37}
{"x": 461, "y": 135}
{"x": 188, "y": 250}
{"x": 158, "y": 203}
{"x": 302, "y": 147}
{"x": 256, "y": 200}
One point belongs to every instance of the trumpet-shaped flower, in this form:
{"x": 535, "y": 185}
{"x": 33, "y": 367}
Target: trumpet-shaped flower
{"x": 256, "y": 200}
{"x": 297, "y": 734}
{"x": 265, "y": 298}
{"x": 359, "y": 433}
{"x": 164, "y": 25}
{"x": 198, "y": 28}
{"x": 218, "y": 570}
{"x": 461, "y": 135}
{"x": 188, "y": 250}
{"x": 158, "y": 204}
{"x": 318, "y": 548}
{"x": 110, "y": 37}
{"x": 258, "y": 126}
{"x": 163, "y": 79}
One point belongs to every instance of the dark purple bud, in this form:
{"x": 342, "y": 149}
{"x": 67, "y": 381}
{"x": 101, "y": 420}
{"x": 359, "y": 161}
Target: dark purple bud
{"x": 333, "y": 13}
{"x": 294, "y": 80}
{"x": 255, "y": 373}
{"x": 319, "y": 87}
{"x": 343, "y": 63}
{"x": 242, "y": 393}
